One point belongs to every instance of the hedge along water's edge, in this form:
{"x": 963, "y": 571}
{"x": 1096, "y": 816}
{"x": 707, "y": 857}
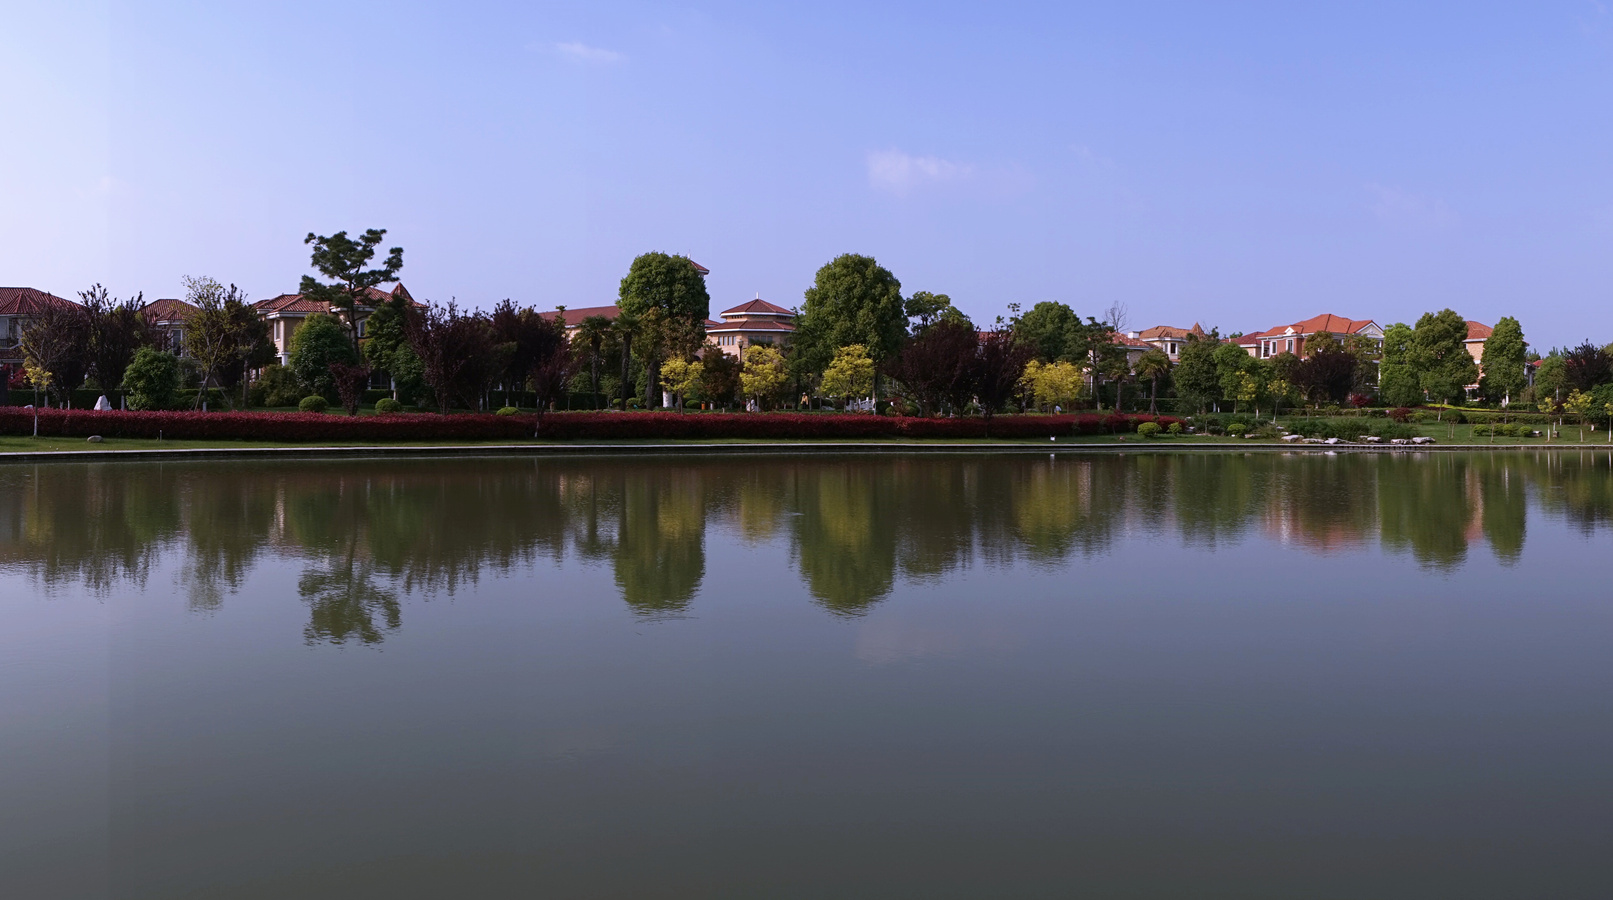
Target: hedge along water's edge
{"x": 305, "y": 427}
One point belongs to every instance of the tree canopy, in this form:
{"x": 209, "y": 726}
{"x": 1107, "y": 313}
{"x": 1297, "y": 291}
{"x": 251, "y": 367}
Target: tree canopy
{"x": 852, "y": 300}
{"x": 1505, "y": 362}
{"x": 342, "y": 260}
{"x": 1438, "y": 354}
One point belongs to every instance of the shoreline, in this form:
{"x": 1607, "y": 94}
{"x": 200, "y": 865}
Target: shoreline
{"x": 760, "y": 448}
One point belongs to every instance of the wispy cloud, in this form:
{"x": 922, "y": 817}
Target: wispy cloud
{"x": 576, "y": 50}
{"x": 900, "y": 173}
{"x": 1399, "y": 209}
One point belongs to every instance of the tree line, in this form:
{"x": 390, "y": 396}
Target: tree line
{"x": 857, "y": 336}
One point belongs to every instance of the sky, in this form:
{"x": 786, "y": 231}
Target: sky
{"x": 1240, "y": 165}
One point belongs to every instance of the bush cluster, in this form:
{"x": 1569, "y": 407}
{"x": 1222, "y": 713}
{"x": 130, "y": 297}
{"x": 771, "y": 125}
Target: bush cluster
{"x": 311, "y": 426}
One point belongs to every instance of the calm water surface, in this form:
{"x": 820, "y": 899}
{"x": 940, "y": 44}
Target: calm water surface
{"x": 768, "y": 676}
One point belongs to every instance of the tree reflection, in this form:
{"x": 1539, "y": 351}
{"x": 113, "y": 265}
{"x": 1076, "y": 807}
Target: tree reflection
{"x": 378, "y": 531}
{"x": 660, "y": 546}
{"x": 343, "y": 602}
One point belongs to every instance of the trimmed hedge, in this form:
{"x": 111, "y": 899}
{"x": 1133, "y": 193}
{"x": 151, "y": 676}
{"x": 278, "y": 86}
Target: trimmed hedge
{"x": 303, "y": 427}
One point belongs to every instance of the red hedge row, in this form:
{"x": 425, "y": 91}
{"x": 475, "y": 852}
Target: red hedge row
{"x": 309, "y": 427}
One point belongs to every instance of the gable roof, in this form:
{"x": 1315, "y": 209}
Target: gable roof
{"x": 757, "y": 307}
{"x": 26, "y": 301}
{"x": 1478, "y": 331}
{"x": 168, "y": 310}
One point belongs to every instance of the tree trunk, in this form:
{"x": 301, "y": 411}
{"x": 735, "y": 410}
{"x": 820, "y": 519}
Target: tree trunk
{"x": 627, "y": 366}
{"x": 1153, "y": 398}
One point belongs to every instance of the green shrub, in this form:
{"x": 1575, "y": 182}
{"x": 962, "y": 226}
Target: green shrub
{"x": 507, "y": 411}
{"x": 313, "y": 404}
{"x": 152, "y": 380}
{"x": 1237, "y": 429}
{"x": 1148, "y": 429}
{"x": 388, "y": 406}
{"x": 277, "y": 386}
{"x": 1176, "y": 428}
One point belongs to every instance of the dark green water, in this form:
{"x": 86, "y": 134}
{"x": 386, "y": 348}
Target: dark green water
{"x": 954, "y": 676}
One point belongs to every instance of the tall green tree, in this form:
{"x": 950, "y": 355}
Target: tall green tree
{"x": 1551, "y": 380}
{"x": 1504, "y": 363}
{"x": 1398, "y": 384}
{"x": 1198, "y": 384}
{"x": 343, "y": 260}
{"x": 316, "y": 345}
{"x": 1438, "y": 354}
{"x": 853, "y": 300}
{"x": 925, "y": 309}
{"x": 669, "y": 294}
{"x": 1048, "y": 327}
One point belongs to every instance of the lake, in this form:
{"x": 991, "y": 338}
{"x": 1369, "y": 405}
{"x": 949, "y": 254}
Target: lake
{"x": 668, "y": 676}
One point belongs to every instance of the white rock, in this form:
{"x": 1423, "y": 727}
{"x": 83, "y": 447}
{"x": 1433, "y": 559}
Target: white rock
{"x": 94, "y": 439}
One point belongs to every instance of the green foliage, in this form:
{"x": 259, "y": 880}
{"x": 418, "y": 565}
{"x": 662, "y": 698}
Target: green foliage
{"x": 1198, "y": 383}
{"x": 853, "y": 300}
{"x": 1047, "y": 326}
{"x": 1053, "y": 384}
{"x": 276, "y": 386}
{"x": 666, "y": 296}
{"x": 925, "y": 309}
{"x": 507, "y": 411}
{"x": 1398, "y": 384}
{"x": 1149, "y": 429}
{"x": 387, "y": 406}
{"x": 1505, "y": 362}
{"x": 318, "y": 343}
{"x": 313, "y": 404}
{"x": 1175, "y": 428}
{"x": 1551, "y": 379}
{"x": 152, "y": 380}
{"x": 1237, "y": 429}
{"x": 1438, "y": 355}
{"x": 342, "y": 260}
{"x": 719, "y": 378}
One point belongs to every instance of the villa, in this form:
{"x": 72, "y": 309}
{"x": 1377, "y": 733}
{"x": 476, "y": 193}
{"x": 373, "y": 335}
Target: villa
{"x": 752, "y": 322}
{"x": 1168, "y": 338}
{"x": 17, "y": 306}
{"x": 167, "y": 317}
{"x": 285, "y": 314}
{"x": 1291, "y": 338}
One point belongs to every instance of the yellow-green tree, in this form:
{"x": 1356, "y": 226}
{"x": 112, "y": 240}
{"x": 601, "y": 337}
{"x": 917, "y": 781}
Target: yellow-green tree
{"x": 851, "y": 374}
{"x": 1579, "y": 404}
{"x": 1053, "y": 383}
{"x": 763, "y": 374}
{"x": 681, "y": 377}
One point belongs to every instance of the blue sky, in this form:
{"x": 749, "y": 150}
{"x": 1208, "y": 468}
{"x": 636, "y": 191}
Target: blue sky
{"x": 1237, "y": 164}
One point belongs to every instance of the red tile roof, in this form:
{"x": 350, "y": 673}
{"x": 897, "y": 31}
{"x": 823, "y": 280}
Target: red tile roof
{"x": 1326, "y": 322}
{"x": 297, "y": 304}
{"x": 750, "y": 325}
{"x": 1170, "y": 331}
{"x": 575, "y": 315}
{"x": 293, "y": 304}
{"x": 24, "y": 301}
{"x": 168, "y": 310}
{"x": 1129, "y": 342}
{"x": 757, "y": 307}
{"x": 1478, "y": 331}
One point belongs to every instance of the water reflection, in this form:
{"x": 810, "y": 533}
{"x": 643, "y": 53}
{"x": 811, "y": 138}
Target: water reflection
{"x": 364, "y": 534}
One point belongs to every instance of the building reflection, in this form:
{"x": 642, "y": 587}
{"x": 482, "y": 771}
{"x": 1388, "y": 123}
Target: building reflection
{"x": 363, "y": 535}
